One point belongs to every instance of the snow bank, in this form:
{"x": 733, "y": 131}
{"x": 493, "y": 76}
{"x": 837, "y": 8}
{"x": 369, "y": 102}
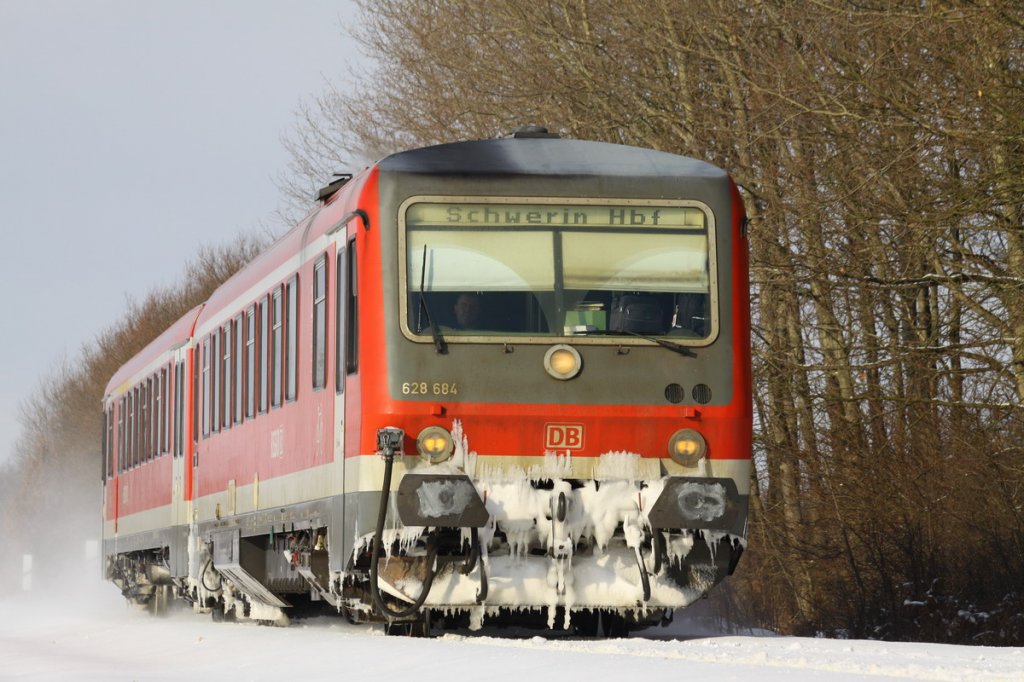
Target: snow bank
{"x": 93, "y": 636}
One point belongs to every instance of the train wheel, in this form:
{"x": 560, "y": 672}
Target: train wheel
{"x": 586, "y": 623}
{"x": 161, "y": 599}
{"x": 614, "y": 626}
{"x": 420, "y": 628}
{"x": 410, "y": 628}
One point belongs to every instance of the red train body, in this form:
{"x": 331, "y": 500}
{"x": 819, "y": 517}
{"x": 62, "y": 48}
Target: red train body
{"x": 491, "y": 379}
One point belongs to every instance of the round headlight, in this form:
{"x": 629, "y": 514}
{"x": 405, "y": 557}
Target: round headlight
{"x": 687, "y": 447}
{"x": 562, "y": 361}
{"x": 435, "y": 444}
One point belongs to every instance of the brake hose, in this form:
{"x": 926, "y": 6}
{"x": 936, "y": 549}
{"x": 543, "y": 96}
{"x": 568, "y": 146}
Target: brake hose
{"x": 385, "y": 494}
{"x": 202, "y": 577}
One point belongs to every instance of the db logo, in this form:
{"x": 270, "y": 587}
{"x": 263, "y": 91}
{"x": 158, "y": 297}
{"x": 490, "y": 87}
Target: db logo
{"x": 563, "y": 436}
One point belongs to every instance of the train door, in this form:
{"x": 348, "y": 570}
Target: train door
{"x": 179, "y": 489}
{"x": 344, "y": 294}
{"x": 347, "y": 335}
{"x": 111, "y": 466}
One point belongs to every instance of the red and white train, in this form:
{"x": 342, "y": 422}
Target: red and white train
{"x": 501, "y": 380}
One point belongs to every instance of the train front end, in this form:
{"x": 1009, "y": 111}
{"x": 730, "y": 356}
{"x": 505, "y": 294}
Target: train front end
{"x": 566, "y": 408}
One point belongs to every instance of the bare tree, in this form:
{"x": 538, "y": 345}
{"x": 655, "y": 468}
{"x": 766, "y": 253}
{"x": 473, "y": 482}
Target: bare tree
{"x": 57, "y": 456}
{"x": 878, "y": 147}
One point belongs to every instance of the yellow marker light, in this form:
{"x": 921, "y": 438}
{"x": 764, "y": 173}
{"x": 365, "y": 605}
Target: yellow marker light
{"x": 687, "y": 447}
{"x": 435, "y": 444}
{"x": 562, "y": 362}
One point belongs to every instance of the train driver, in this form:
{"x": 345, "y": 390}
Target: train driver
{"x": 469, "y": 311}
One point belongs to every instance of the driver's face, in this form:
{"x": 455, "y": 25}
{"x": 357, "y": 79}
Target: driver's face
{"x": 468, "y": 310}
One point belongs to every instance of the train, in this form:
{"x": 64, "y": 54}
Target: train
{"x": 500, "y": 381}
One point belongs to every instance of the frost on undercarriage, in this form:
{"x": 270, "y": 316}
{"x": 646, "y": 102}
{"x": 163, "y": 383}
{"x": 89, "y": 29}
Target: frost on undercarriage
{"x": 539, "y": 540}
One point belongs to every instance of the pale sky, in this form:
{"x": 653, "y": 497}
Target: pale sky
{"x": 131, "y": 132}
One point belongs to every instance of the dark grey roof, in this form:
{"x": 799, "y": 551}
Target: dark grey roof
{"x": 545, "y": 156}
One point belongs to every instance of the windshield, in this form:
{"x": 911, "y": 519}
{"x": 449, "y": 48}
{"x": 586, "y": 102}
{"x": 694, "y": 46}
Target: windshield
{"x": 558, "y": 269}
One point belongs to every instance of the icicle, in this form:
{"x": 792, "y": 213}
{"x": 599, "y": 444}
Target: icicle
{"x": 476, "y": 617}
{"x": 463, "y": 458}
{"x": 555, "y": 465}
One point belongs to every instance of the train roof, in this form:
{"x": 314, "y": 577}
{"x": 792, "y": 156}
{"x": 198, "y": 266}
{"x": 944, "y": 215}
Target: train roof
{"x": 288, "y": 246}
{"x": 546, "y": 156}
{"x": 529, "y": 155}
{"x": 519, "y": 155}
{"x": 172, "y": 337}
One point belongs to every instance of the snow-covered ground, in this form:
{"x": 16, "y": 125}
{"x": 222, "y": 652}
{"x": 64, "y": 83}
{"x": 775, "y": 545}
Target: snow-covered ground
{"x": 94, "y": 636}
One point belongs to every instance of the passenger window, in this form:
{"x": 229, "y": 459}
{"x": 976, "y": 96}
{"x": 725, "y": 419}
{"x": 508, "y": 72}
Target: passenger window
{"x": 122, "y": 422}
{"x": 340, "y": 301}
{"x": 276, "y": 347}
{"x": 120, "y": 434}
{"x": 178, "y": 406}
{"x": 144, "y": 411}
{"x": 250, "y": 362}
{"x": 352, "y": 314}
{"x": 227, "y": 342}
{"x": 215, "y": 390}
{"x": 291, "y": 348}
{"x": 264, "y": 352}
{"x": 157, "y": 402}
{"x": 237, "y": 331}
{"x": 320, "y": 322}
{"x": 133, "y": 422}
{"x": 105, "y": 466}
{"x": 196, "y": 360}
{"x": 165, "y": 443}
{"x": 206, "y": 408}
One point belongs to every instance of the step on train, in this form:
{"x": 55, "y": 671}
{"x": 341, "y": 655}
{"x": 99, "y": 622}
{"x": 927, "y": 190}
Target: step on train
{"x": 503, "y": 381}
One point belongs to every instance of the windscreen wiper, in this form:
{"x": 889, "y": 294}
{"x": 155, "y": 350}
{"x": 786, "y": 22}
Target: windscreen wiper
{"x": 439, "y": 343}
{"x": 664, "y": 343}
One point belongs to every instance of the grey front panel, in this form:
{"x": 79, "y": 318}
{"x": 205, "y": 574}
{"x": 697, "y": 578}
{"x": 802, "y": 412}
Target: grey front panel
{"x": 494, "y": 372}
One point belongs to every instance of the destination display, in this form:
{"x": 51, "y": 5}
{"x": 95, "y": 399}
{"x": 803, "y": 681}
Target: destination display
{"x": 553, "y": 215}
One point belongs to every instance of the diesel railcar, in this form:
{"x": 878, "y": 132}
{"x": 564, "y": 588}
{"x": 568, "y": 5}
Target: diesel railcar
{"x": 501, "y": 380}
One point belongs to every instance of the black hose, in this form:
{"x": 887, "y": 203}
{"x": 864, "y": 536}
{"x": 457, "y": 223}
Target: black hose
{"x": 658, "y": 547}
{"x": 385, "y": 494}
{"x": 202, "y": 577}
{"x": 481, "y": 594}
{"x": 474, "y": 553}
{"x": 470, "y": 564}
{"x": 644, "y": 578}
